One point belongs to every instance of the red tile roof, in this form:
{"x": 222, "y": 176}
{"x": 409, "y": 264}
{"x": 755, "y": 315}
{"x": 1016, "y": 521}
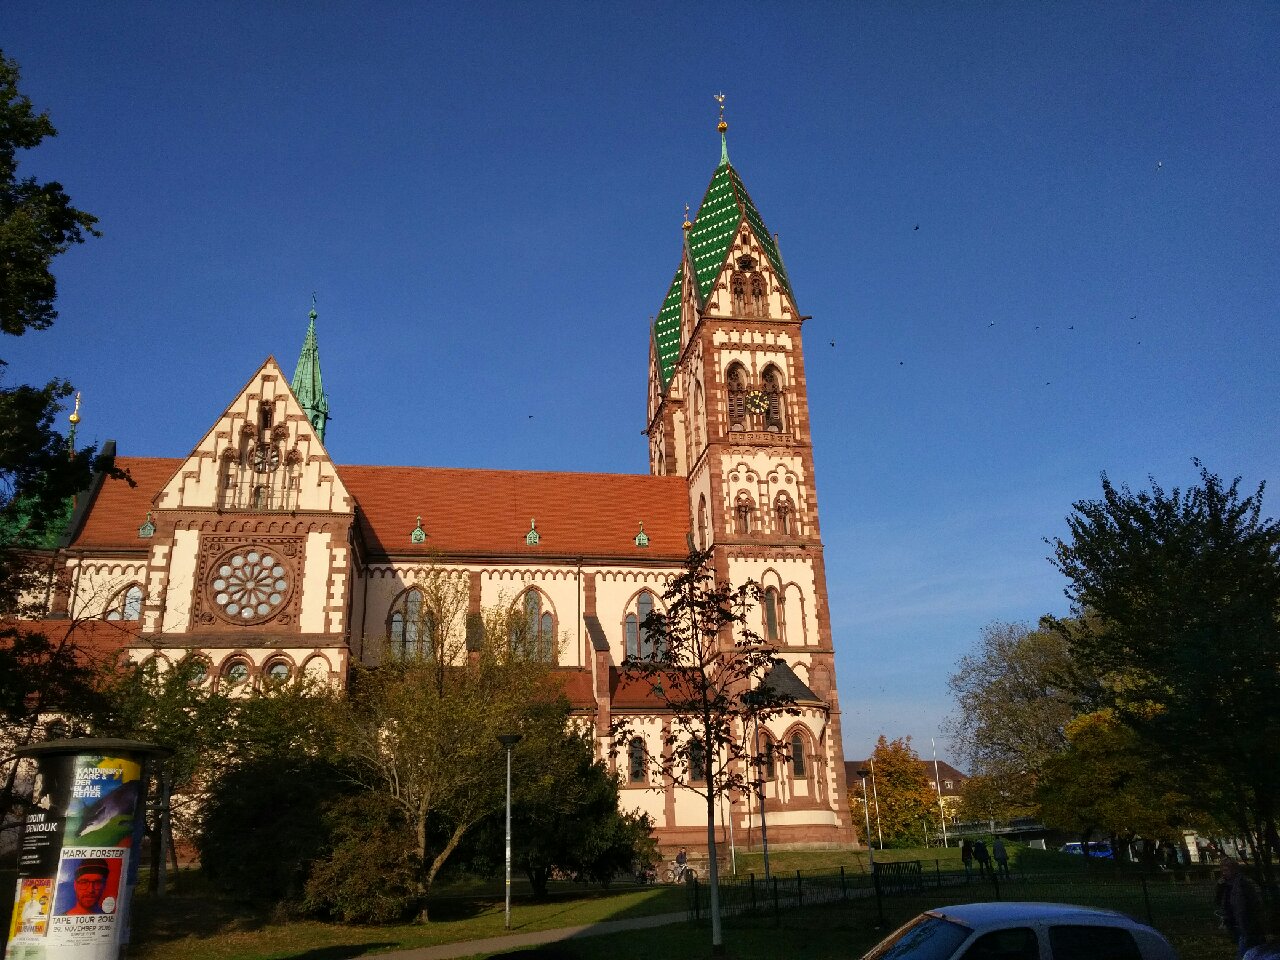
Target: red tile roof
{"x": 464, "y": 512}
{"x": 487, "y": 512}
{"x": 119, "y": 509}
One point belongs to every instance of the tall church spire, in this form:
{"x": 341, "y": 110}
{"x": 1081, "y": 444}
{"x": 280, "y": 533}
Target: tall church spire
{"x": 308, "y": 386}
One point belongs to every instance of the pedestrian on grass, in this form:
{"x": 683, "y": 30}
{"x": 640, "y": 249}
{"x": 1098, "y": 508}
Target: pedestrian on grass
{"x": 1001, "y": 856}
{"x": 1241, "y": 907}
{"x": 966, "y": 857}
{"x": 984, "y": 859}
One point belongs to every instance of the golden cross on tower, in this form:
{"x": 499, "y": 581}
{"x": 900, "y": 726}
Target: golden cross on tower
{"x": 721, "y": 126}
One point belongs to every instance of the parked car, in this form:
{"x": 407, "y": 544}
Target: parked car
{"x": 1097, "y": 848}
{"x": 1022, "y": 931}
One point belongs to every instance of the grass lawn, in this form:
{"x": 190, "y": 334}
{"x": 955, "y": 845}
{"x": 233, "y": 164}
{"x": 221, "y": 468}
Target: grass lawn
{"x": 197, "y": 924}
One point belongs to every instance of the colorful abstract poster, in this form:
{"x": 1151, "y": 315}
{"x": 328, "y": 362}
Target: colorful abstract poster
{"x": 76, "y": 857}
{"x": 104, "y": 795}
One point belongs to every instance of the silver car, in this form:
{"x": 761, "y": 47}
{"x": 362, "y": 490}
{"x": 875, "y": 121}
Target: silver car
{"x": 1022, "y": 931}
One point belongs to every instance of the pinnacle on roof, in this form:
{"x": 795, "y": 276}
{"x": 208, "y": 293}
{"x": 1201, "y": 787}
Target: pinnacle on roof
{"x": 725, "y": 207}
{"x": 308, "y": 385}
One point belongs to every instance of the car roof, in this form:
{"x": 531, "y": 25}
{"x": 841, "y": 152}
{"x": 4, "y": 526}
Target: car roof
{"x": 983, "y": 914}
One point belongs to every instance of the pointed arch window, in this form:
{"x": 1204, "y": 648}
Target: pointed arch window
{"x": 697, "y": 762}
{"x": 784, "y": 515}
{"x": 770, "y": 764}
{"x": 533, "y": 634}
{"x": 797, "y": 756}
{"x": 743, "y": 508}
{"x": 640, "y": 645}
{"x": 759, "y": 306}
{"x": 702, "y": 522}
{"x": 737, "y": 380}
{"x": 127, "y": 604}
{"x": 772, "y": 621}
{"x": 772, "y": 381}
{"x": 635, "y": 761}
{"x": 411, "y": 626}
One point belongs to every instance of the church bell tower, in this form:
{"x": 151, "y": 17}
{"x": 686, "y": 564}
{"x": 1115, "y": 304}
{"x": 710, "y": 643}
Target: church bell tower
{"x": 728, "y": 409}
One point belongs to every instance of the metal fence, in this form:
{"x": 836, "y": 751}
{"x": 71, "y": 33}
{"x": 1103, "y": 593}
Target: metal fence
{"x": 895, "y": 892}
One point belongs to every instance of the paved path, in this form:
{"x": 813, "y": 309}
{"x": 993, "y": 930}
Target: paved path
{"x": 535, "y": 938}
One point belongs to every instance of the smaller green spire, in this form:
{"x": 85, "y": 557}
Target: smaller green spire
{"x": 308, "y": 385}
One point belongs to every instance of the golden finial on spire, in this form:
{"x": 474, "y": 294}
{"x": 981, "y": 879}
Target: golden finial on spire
{"x": 721, "y": 126}
{"x": 686, "y": 225}
{"x": 75, "y": 414}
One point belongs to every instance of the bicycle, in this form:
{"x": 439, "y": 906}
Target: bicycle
{"x": 681, "y": 873}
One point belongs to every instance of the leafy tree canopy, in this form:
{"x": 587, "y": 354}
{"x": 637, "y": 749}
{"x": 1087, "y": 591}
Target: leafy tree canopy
{"x": 37, "y": 220}
{"x": 1184, "y": 592}
{"x": 902, "y": 802}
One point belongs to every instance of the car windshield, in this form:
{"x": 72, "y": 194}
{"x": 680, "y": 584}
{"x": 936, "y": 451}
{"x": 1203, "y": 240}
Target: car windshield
{"x": 924, "y": 938}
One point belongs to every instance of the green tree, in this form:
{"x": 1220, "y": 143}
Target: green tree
{"x": 1108, "y": 783}
{"x": 1015, "y": 695}
{"x": 903, "y": 804}
{"x": 37, "y": 220}
{"x": 1184, "y": 592}
{"x": 710, "y": 675}
{"x": 420, "y": 729}
{"x": 565, "y": 813}
{"x": 41, "y": 674}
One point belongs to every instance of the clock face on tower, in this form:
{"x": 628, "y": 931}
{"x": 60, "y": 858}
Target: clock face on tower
{"x": 757, "y": 402}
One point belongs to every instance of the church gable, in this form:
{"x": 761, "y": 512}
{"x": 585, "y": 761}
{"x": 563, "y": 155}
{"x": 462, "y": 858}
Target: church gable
{"x": 263, "y": 454}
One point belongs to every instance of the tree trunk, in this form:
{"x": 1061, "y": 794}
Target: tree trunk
{"x": 713, "y": 866}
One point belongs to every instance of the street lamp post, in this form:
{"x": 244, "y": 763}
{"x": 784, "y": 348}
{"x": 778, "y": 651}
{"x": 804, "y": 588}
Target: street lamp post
{"x": 866, "y": 811}
{"x": 509, "y": 740}
{"x": 876, "y": 795}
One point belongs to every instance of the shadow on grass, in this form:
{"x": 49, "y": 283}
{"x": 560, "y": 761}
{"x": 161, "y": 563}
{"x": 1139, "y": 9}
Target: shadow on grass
{"x": 343, "y": 951}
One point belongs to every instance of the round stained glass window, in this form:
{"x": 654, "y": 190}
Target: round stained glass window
{"x": 237, "y": 673}
{"x": 278, "y": 671}
{"x": 249, "y": 585}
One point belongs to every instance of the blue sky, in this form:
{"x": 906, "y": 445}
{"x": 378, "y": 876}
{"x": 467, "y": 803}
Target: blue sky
{"x": 486, "y": 199}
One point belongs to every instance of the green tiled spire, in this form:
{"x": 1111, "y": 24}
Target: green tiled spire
{"x": 308, "y": 386}
{"x": 724, "y": 207}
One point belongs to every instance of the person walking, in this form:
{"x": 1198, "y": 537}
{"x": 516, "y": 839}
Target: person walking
{"x": 984, "y": 859}
{"x": 966, "y": 857}
{"x": 1001, "y": 856}
{"x": 1241, "y": 907}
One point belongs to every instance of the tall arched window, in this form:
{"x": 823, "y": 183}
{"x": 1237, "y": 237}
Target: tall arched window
{"x": 127, "y": 604}
{"x": 640, "y": 646}
{"x": 772, "y": 381}
{"x": 742, "y": 511}
{"x": 697, "y": 419}
{"x": 797, "y": 756}
{"x": 783, "y": 515}
{"x": 635, "y": 761}
{"x": 770, "y": 767}
{"x": 772, "y": 629}
{"x": 703, "y": 522}
{"x": 534, "y": 633}
{"x": 697, "y": 762}
{"x": 737, "y": 380}
{"x": 759, "y": 307}
{"x": 410, "y": 626}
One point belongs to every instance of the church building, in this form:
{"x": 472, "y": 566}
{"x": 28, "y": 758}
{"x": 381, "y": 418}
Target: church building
{"x": 265, "y": 558}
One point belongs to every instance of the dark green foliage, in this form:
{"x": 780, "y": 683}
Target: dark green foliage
{"x": 1184, "y": 587}
{"x": 264, "y": 822}
{"x": 371, "y": 872}
{"x": 565, "y": 817}
{"x": 37, "y": 220}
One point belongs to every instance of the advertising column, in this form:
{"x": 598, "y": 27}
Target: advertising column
{"x": 78, "y": 856}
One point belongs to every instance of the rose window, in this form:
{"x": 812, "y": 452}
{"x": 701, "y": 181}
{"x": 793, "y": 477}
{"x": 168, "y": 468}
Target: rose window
{"x": 250, "y": 585}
